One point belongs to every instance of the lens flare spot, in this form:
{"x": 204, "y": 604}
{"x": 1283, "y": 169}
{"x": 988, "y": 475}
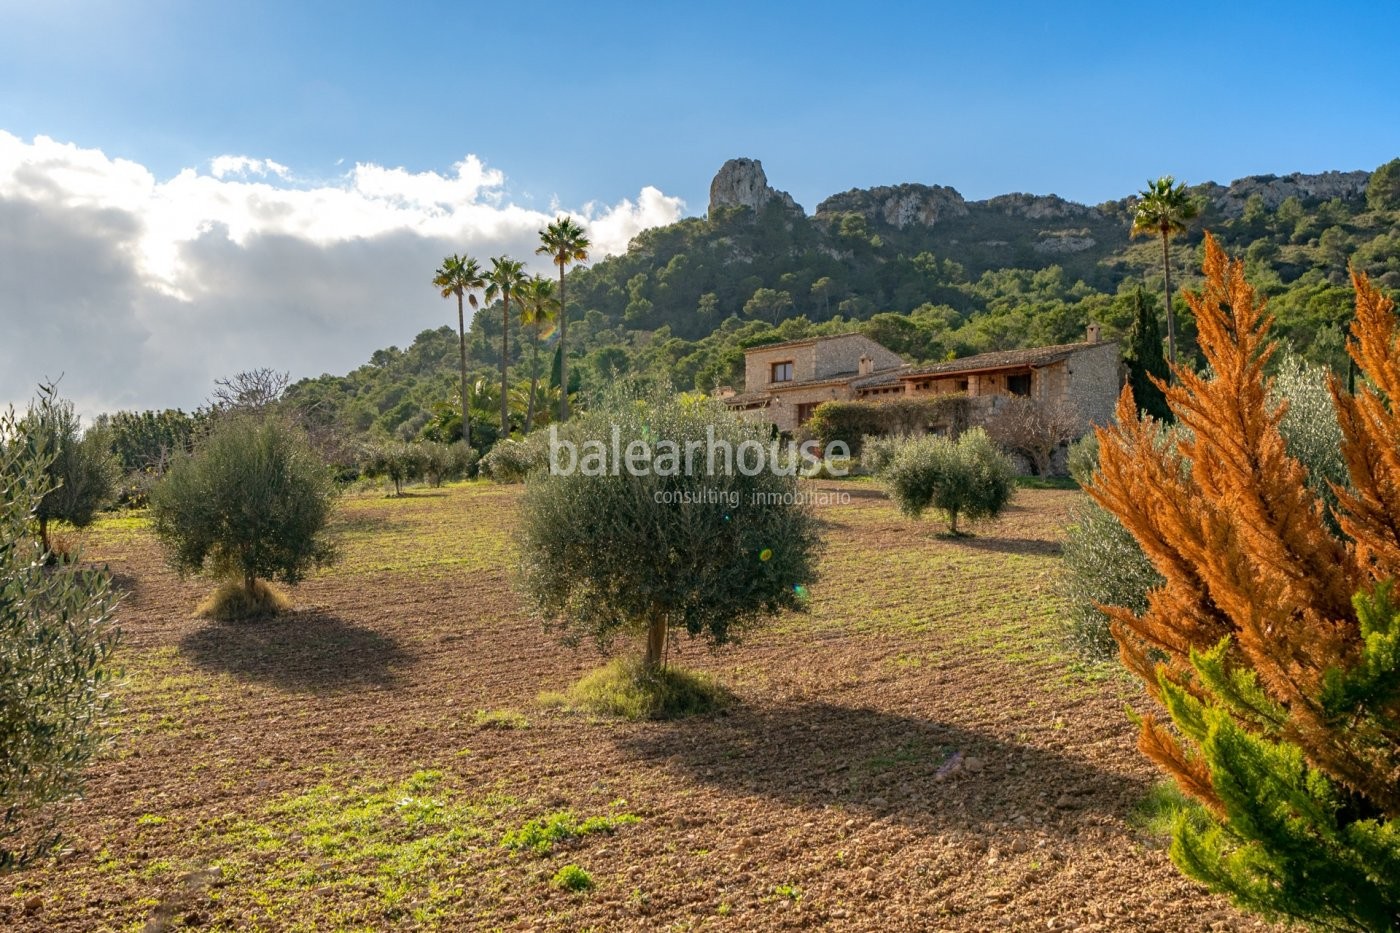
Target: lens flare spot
{"x": 766, "y": 554}
{"x": 800, "y": 591}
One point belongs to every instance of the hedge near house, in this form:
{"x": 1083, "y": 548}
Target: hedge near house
{"x": 851, "y": 422}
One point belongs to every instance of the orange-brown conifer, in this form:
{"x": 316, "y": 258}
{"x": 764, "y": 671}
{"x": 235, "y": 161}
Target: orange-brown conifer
{"x": 1227, "y": 518}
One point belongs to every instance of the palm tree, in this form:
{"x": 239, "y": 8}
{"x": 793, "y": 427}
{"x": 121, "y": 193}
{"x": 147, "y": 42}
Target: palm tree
{"x": 505, "y": 281}
{"x": 1164, "y": 209}
{"x": 538, "y": 307}
{"x": 565, "y": 242}
{"x": 461, "y": 276}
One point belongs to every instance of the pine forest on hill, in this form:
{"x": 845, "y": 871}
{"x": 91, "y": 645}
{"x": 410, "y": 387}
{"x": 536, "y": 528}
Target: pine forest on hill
{"x": 685, "y": 300}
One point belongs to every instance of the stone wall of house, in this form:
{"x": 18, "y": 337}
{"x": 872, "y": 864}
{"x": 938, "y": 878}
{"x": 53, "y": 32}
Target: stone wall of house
{"x": 842, "y": 355}
{"x": 821, "y": 359}
{"x": 1095, "y": 378}
{"x": 758, "y": 365}
{"x": 786, "y": 408}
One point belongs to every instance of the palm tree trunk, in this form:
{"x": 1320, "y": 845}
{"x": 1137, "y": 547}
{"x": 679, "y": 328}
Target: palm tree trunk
{"x": 563, "y": 351}
{"x": 1171, "y": 316}
{"x": 534, "y": 378}
{"x": 462, "y": 353}
{"x": 505, "y": 349}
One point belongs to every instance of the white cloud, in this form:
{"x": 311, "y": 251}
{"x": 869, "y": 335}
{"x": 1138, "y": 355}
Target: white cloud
{"x": 224, "y": 165}
{"x": 143, "y": 291}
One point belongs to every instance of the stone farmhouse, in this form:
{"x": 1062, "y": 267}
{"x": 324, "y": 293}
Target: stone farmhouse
{"x": 785, "y": 382}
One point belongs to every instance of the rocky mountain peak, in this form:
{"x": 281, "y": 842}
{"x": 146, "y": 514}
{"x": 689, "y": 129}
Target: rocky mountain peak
{"x": 742, "y": 183}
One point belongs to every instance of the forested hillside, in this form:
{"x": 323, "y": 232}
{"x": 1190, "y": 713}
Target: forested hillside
{"x": 914, "y": 267}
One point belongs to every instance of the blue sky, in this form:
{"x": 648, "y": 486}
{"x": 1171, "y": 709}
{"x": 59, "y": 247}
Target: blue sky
{"x": 188, "y": 190}
{"x": 591, "y": 101}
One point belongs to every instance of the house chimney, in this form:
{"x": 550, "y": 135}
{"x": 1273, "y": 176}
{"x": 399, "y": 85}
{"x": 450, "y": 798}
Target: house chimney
{"x": 1093, "y": 333}
{"x": 867, "y": 364}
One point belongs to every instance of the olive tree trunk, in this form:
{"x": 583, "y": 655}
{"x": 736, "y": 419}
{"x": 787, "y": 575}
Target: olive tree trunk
{"x": 656, "y": 644}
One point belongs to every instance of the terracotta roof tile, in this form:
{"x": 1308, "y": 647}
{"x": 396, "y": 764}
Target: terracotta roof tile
{"x": 998, "y": 359}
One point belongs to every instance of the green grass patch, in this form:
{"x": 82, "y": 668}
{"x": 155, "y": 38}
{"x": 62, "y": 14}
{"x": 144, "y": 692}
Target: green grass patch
{"x": 233, "y": 602}
{"x": 1046, "y": 482}
{"x": 626, "y": 689}
{"x": 1153, "y": 815}
{"x": 421, "y": 533}
{"x": 500, "y": 719}
{"x": 543, "y": 834}
{"x": 367, "y": 857}
{"x": 572, "y": 878}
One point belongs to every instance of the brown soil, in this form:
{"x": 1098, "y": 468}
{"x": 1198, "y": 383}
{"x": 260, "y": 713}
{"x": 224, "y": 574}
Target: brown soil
{"x": 951, "y": 771}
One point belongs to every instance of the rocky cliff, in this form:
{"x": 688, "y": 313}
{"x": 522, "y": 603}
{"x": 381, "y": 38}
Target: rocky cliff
{"x": 742, "y": 183}
{"x": 902, "y": 206}
{"x": 1273, "y": 190}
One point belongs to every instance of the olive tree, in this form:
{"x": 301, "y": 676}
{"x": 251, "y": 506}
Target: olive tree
{"x": 56, "y": 638}
{"x": 967, "y": 478}
{"x": 81, "y": 469}
{"x": 397, "y": 461}
{"x": 251, "y": 502}
{"x": 651, "y": 547}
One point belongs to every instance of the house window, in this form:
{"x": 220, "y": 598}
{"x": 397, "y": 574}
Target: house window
{"x": 782, "y": 372}
{"x": 805, "y": 411}
{"x": 1019, "y": 385}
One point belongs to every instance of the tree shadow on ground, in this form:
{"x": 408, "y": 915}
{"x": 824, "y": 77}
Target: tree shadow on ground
{"x": 818, "y": 755}
{"x": 308, "y": 651}
{"x": 367, "y": 524}
{"x": 124, "y": 585}
{"x": 858, "y": 492}
{"x": 1003, "y": 545}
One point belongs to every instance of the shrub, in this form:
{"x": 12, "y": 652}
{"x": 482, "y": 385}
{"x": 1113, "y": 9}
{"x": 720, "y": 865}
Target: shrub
{"x": 604, "y": 554}
{"x": 1309, "y": 427}
{"x": 1083, "y": 458}
{"x": 852, "y": 422}
{"x": 1103, "y": 565}
{"x": 511, "y": 461}
{"x": 396, "y": 461}
{"x": 1273, "y": 643}
{"x": 148, "y": 440}
{"x": 81, "y": 471}
{"x": 876, "y": 451}
{"x": 967, "y": 478}
{"x": 56, "y": 640}
{"x": 251, "y": 502}
{"x": 444, "y": 463}
{"x": 572, "y": 878}
{"x": 626, "y": 688}
{"x": 1034, "y": 429}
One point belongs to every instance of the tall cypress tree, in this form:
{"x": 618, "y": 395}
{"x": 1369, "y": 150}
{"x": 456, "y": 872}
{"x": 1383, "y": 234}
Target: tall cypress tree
{"x": 1145, "y": 359}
